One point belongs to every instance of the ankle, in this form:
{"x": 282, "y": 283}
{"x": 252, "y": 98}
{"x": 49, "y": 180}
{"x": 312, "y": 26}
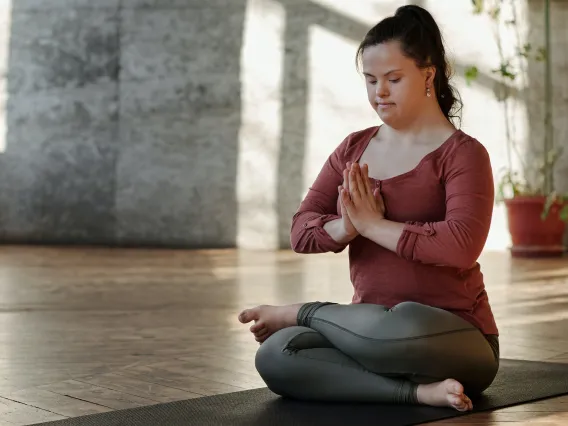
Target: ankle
{"x": 307, "y": 310}
{"x": 291, "y": 315}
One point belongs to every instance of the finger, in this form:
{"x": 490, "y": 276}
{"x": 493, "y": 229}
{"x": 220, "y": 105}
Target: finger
{"x": 366, "y": 179}
{"x": 346, "y": 178}
{"x": 346, "y": 199}
{"x": 344, "y": 212}
{"x": 354, "y": 189}
{"x": 379, "y": 197}
{"x": 359, "y": 180}
{"x": 341, "y": 204}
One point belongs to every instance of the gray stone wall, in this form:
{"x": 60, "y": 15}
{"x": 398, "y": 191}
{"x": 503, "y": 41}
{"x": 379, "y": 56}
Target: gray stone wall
{"x": 121, "y": 122}
{"x": 536, "y": 86}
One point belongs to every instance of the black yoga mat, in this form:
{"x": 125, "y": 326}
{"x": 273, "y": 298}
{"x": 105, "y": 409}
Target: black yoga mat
{"x": 517, "y": 382}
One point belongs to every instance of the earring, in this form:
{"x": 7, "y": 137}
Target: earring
{"x": 428, "y": 92}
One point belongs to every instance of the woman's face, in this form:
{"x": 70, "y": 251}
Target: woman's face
{"x": 396, "y": 87}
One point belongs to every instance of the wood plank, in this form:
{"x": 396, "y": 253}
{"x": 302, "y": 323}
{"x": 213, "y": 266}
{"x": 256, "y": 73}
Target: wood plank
{"x": 138, "y": 387}
{"x": 246, "y": 367}
{"x": 97, "y": 395}
{"x": 56, "y": 403}
{"x": 177, "y": 380}
{"x": 16, "y": 413}
{"x": 219, "y": 375}
{"x": 522, "y": 417}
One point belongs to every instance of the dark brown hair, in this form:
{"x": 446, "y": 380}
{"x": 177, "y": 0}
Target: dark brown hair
{"x": 421, "y": 40}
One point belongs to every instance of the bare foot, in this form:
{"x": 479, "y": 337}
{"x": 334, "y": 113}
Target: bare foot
{"x": 448, "y": 393}
{"x": 269, "y": 319}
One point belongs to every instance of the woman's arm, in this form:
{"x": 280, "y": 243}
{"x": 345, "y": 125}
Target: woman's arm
{"x": 385, "y": 233}
{"x": 316, "y": 226}
{"x": 470, "y": 194}
{"x": 458, "y": 240}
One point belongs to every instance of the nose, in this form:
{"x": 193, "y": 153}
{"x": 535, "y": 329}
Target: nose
{"x": 381, "y": 90}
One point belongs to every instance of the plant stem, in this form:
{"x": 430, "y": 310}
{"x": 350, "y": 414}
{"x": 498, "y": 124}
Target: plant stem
{"x": 548, "y": 136}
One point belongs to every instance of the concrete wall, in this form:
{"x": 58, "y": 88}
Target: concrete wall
{"x": 536, "y": 85}
{"x": 195, "y": 123}
{"x": 122, "y": 121}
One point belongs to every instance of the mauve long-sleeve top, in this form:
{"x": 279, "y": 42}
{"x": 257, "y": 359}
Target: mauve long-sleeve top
{"x": 446, "y": 204}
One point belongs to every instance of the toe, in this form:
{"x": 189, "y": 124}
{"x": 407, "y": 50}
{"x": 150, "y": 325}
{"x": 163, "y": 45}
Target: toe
{"x": 457, "y": 402}
{"x": 258, "y": 328}
{"x": 261, "y": 337}
{"x": 455, "y": 387}
{"x": 248, "y": 315}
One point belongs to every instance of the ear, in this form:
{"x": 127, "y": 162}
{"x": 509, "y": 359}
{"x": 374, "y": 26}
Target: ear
{"x": 429, "y": 74}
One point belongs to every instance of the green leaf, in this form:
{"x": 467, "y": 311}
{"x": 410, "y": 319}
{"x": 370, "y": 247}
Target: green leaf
{"x": 505, "y": 71}
{"x": 495, "y": 12}
{"x": 564, "y": 214}
{"x": 477, "y": 6}
{"x": 471, "y": 74}
{"x": 541, "y": 54}
{"x": 525, "y": 50}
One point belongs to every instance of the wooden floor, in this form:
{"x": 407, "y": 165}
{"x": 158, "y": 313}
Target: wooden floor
{"x": 92, "y": 330}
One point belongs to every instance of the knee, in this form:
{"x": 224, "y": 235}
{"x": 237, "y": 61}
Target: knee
{"x": 272, "y": 360}
{"x": 276, "y": 360}
{"x": 480, "y": 380}
{"x": 268, "y": 357}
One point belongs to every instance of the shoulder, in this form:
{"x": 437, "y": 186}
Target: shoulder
{"x": 461, "y": 149}
{"x": 355, "y": 143}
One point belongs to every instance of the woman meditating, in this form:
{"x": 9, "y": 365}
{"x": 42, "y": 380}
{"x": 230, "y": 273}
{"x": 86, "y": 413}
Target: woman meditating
{"x": 413, "y": 200}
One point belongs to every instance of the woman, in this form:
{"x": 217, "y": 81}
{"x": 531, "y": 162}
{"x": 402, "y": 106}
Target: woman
{"x": 415, "y": 215}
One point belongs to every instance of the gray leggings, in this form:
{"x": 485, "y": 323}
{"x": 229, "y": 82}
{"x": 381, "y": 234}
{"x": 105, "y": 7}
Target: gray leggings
{"x": 368, "y": 353}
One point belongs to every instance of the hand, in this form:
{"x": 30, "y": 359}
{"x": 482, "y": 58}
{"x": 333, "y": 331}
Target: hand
{"x": 365, "y": 206}
{"x": 348, "y": 227}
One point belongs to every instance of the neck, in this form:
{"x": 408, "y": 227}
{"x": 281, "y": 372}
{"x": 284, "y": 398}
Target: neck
{"x": 430, "y": 122}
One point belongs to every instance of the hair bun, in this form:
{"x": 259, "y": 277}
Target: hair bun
{"x": 411, "y": 11}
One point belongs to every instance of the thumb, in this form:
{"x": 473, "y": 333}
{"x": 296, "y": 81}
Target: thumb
{"x": 378, "y": 197}
{"x": 341, "y": 203}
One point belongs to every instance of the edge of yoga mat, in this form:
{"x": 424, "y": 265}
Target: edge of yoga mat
{"x": 517, "y": 382}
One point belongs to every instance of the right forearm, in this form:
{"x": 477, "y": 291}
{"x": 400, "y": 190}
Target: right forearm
{"x": 310, "y": 233}
{"x": 336, "y": 230}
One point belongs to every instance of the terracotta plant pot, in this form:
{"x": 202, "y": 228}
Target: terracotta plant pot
{"x": 531, "y": 236}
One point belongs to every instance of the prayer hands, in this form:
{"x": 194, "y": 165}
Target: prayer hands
{"x": 348, "y": 227}
{"x": 363, "y": 205}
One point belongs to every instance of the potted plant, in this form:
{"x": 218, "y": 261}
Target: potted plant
{"x": 536, "y": 213}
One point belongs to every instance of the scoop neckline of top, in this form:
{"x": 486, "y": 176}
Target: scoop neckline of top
{"x": 411, "y": 171}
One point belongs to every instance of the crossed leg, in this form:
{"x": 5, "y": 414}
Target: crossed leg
{"x": 411, "y": 353}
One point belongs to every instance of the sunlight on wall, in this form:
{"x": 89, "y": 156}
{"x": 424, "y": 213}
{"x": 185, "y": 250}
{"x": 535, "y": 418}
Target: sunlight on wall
{"x": 261, "y": 123}
{"x": 5, "y": 31}
{"x": 368, "y": 12}
{"x": 337, "y": 104}
{"x": 337, "y": 100}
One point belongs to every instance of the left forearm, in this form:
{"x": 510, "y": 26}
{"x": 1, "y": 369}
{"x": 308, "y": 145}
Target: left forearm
{"x": 385, "y": 233}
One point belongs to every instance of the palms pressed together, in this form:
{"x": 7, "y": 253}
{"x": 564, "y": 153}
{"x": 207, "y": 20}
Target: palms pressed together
{"x": 361, "y": 206}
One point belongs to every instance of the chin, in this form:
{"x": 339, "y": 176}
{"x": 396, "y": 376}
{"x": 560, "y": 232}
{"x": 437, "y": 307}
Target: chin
{"x": 385, "y": 117}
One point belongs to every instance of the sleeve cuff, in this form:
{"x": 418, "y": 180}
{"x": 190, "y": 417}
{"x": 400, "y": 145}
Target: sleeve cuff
{"x": 410, "y": 233}
{"x": 323, "y": 238}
